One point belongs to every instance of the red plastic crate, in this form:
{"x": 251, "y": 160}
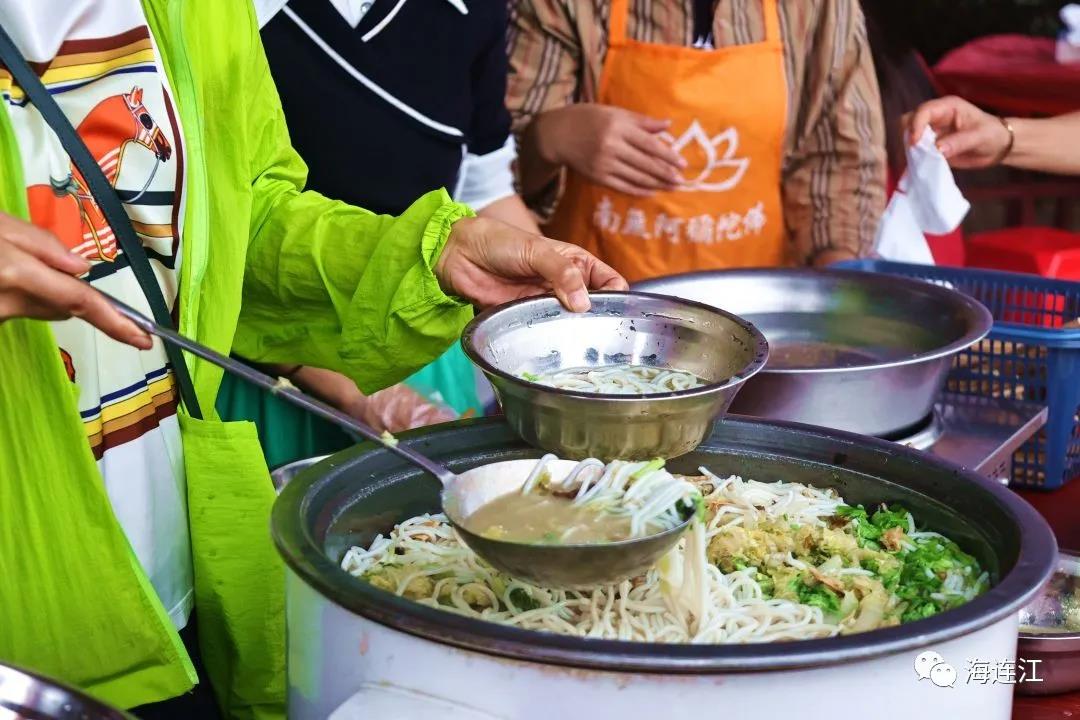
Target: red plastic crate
{"x": 1047, "y": 252}
{"x": 1044, "y": 251}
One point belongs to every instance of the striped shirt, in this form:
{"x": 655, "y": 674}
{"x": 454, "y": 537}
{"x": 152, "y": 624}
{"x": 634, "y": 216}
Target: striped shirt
{"x": 834, "y": 148}
{"x": 97, "y": 59}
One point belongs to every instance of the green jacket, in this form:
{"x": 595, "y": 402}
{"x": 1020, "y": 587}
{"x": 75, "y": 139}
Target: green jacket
{"x": 273, "y": 272}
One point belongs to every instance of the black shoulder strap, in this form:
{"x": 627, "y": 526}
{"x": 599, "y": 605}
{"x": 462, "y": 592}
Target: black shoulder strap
{"x": 107, "y": 200}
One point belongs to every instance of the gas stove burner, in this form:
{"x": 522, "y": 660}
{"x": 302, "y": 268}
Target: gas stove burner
{"x": 973, "y": 432}
{"x": 922, "y": 435}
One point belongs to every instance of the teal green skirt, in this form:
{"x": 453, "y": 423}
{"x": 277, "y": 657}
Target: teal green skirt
{"x": 288, "y": 433}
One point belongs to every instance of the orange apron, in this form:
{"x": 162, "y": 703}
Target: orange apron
{"x": 728, "y": 112}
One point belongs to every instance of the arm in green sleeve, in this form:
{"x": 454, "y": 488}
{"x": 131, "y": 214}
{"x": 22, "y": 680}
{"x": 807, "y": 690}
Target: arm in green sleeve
{"x": 335, "y": 286}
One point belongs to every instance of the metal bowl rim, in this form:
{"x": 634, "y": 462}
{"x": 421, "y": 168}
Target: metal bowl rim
{"x": 304, "y": 556}
{"x": 89, "y": 706}
{"x": 756, "y": 364}
{"x": 1052, "y": 642}
{"x": 1057, "y": 642}
{"x": 980, "y": 319}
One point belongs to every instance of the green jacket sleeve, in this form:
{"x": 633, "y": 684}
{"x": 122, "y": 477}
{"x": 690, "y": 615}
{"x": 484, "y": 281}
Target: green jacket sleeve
{"x": 335, "y": 286}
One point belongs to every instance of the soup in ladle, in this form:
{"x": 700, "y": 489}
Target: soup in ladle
{"x": 594, "y": 503}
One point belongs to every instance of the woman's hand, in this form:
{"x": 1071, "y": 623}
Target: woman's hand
{"x": 488, "y": 263}
{"x": 611, "y": 146}
{"x": 39, "y": 279}
{"x": 394, "y": 409}
{"x": 970, "y": 138}
{"x": 966, "y": 136}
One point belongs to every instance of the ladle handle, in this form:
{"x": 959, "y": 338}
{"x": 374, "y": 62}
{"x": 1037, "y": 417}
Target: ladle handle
{"x": 287, "y": 392}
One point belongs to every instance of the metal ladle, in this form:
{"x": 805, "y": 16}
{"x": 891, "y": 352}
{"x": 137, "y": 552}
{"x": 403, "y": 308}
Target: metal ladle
{"x": 547, "y": 565}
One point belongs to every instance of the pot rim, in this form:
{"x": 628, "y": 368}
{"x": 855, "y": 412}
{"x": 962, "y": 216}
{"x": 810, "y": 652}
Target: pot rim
{"x": 980, "y": 320}
{"x": 759, "y": 352}
{"x": 1035, "y": 563}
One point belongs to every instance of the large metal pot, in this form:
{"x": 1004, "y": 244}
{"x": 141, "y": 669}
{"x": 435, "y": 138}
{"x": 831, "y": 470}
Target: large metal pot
{"x": 853, "y": 351}
{"x": 354, "y": 645}
{"x": 29, "y": 696}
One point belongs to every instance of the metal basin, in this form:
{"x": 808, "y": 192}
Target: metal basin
{"x": 537, "y": 335}
{"x": 350, "y": 642}
{"x": 25, "y": 694}
{"x": 853, "y": 351}
{"x": 1045, "y": 640}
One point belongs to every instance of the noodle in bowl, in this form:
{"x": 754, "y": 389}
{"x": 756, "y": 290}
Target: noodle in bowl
{"x": 609, "y": 383}
{"x": 688, "y": 597}
{"x": 618, "y": 380}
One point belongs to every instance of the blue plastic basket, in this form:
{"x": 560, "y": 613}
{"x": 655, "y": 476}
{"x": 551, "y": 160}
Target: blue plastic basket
{"x": 1032, "y": 354}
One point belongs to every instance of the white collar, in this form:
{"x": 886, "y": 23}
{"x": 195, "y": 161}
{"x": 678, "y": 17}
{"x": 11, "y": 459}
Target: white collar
{"x": 265, "y": 10}
{"x": 351, "y": 10}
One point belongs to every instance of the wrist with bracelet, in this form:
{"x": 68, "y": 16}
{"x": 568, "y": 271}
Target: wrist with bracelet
{"x": 1009, "y": 145}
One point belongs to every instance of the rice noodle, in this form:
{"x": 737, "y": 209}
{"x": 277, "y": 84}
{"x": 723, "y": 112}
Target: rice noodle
{"x": 684, "y": 599}
{"x": 620, "y": 379}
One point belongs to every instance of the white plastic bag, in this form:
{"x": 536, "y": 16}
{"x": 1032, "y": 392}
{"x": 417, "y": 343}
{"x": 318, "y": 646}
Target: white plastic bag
{"x": 926, "y": 200}
{"x": 899, "y": 236}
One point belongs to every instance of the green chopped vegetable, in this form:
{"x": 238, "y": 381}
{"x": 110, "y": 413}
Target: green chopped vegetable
{"x": 652, "y": 466}
{"x": 912, "y": 572}
{"x": 852, "y": 512}
{"x": 867, "y": 533}
{"x": 891, "y": 578}
{"x": 921, "y": 580}
{"x": 817, "y": 595}
{"x": 919, "y": 611}
{"x": 868, "y": 536}
{"x": 530, "y": 377}
{"x": 699, "y": 507}
{"x": 884, "y": 518}
{"x": 549, "y": 538}
{"x": 523, "y": 600}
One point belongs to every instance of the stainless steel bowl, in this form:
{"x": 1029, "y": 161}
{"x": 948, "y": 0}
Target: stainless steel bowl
{"x": 538, "y": 335}
{"x": 1050, "y": 632}
{"x": 25, "y": 694}
{"x": 853, "y": 351}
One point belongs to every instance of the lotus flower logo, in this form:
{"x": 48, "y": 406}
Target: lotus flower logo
{"x": 722, "y": 170}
